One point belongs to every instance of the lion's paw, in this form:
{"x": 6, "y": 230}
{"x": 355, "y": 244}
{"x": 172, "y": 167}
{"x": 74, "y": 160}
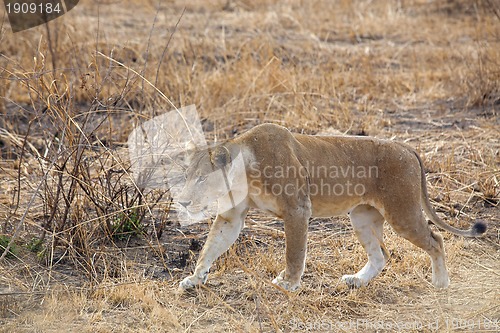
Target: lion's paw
{"x": 441, "y": 282}
{"x": 192, "y": 281}
{"x": 285, "y": 284}
{"x": 353, "y": 281}
{"x": 187, "y": 283}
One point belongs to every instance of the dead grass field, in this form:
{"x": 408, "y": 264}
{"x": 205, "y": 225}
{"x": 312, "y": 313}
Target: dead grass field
{"x": 90, "y": 253}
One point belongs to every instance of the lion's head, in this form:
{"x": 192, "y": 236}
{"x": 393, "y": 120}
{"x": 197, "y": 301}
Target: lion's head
{"x": 212, "y": 174}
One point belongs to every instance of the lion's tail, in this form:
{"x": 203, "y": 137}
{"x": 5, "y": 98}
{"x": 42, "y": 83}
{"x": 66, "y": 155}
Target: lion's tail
{"x": 477, "y": 229}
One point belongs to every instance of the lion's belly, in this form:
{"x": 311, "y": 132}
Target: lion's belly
{"x": 320, "y": 206}
{"x": 328, "y": 208}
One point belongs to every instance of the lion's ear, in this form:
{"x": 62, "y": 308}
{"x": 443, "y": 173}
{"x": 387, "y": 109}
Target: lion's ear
{"x": 220, "y": 156}
{"x": 190, "y": 151}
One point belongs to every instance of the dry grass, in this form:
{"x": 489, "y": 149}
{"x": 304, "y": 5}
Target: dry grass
{"x": 93, "y": 253}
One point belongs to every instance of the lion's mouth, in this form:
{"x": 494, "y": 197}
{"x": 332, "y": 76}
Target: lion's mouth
{"x": 196, "y": 211}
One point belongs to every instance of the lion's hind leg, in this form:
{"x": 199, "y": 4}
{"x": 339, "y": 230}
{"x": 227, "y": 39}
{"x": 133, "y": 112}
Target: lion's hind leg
{"x": 416, "y": 229}
{"x": 368, "y": 226}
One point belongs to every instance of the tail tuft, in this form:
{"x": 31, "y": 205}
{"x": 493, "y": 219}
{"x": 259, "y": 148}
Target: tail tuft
{"x": 479, "y": 228}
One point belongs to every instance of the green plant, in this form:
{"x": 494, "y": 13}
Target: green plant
{"x": 35, "y": 245}
{"x": 4, "y": 242}
{"x": 128, "y": 224}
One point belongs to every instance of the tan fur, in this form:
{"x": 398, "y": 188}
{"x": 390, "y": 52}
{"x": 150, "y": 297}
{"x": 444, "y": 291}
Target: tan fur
{"x": 391, "y": 188}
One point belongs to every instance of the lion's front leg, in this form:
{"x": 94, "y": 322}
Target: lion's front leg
{"x": 296, "y": 223}
{"x": 222, "y": 235}
{"x": 296, "y": 250}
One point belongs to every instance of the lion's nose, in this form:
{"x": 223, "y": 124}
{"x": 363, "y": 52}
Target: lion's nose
{"x": 185, "y": 203}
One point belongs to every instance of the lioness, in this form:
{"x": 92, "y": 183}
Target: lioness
{"x": 295, "y": 176}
